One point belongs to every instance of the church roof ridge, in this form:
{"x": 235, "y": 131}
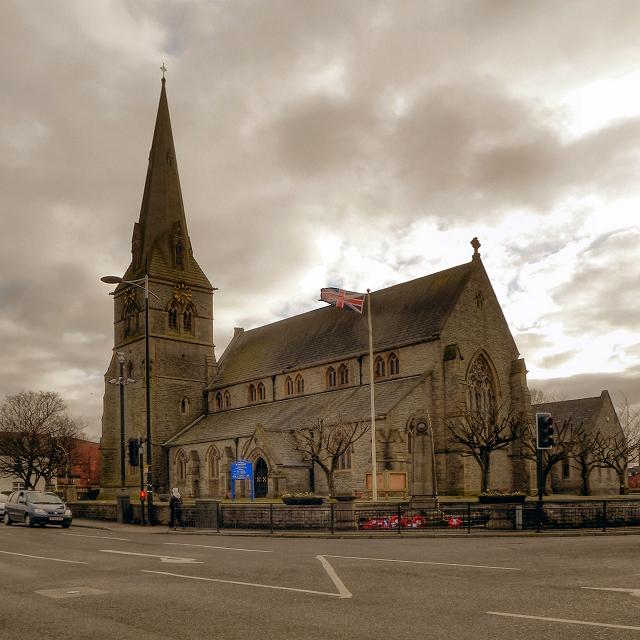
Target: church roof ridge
{"x": 328, "y": 333}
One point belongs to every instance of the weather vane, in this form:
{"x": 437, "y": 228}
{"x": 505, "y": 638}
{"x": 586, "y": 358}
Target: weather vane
{"x": 163, "y": 69}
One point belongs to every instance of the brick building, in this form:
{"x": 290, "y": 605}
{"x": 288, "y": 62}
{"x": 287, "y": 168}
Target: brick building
{"x": 439, "y": 342}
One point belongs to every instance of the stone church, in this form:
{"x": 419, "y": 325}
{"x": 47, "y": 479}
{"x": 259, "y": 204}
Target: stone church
{"x": 439, "y": 342}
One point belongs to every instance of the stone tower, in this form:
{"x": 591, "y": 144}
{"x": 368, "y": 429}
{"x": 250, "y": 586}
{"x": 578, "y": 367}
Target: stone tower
{"x": 180, "y": 321}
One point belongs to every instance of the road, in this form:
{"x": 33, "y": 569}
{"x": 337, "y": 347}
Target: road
{"x": 132, "y": 583}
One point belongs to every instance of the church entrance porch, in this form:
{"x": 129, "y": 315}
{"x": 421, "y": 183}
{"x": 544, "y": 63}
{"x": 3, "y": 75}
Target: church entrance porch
{"x": 260, "y": 479}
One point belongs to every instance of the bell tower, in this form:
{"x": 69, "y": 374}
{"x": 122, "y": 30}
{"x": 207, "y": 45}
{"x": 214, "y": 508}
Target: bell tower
{"x": 180, "y": 329}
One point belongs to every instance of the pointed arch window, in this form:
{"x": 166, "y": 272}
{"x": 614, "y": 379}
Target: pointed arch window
{"x": 130, "y": 317}
{"x": 213, "y": 464}
{"x": 343, "y": 374}
{"x": 178, "y": 254}
{"x": 218, "y": 401}
{"x": 331, "y": 377}
{"x": 379, "y": 368}
{"x": 262, "y": 392}
{"x": 288, "y": 386}
{"x": 181, "y": 467}
{"x": 393, "y": 365}
{"x": 410, "y": 437}
{"x": 299, "y": 384}
{"x": 344, "y": 461}
{"x": 227, "y": 399}
{"x": 184, "y": 406}
{"x": 187, "y": 319}
{"x": 481, "y": 394}
{"x": 252, "y": 393}
{"x": 173, "y": 317}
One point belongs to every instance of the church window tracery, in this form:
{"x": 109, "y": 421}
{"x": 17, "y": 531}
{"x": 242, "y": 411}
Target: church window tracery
{"x": 299, "y": 384}
{"x": 261, "y": 391}
{"x": 181, "y": 467}
{"x": 187, "y": 319}
{"x": 481, "y": 395}
{"x": 173, "y": 317}
{"x": 288, "y": 384}
{"x": 252, "y": 393}
{"x": 379, "y": 367}
{"x": 343, "y": 374}
{"x": 130, "y": 314}
{"x": 218, "y": 400}
{"x": 227, "y": 399}
{"x": 331, "y": 377}
{"x": 344, "y": 461}
{"x": 393, "y": 365}
{"x": 213, "y": 463}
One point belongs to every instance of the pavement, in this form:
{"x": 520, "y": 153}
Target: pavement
{"x": 109, "y": 580}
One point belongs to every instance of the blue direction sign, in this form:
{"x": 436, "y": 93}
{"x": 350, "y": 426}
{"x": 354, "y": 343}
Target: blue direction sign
{"x": 241, "y": 470}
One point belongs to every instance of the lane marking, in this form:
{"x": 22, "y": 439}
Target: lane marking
{"x": 25, "y": 555}
{"x": 247, "y": 584}
{"x": 344, "y": 592}
{"x": 206, "y": 546}
{"x": 443, "y": 564}
{"x": 633, "y": 592}
{"x": 163, "y": 558}
{"x": 84, "y": 535}
{"x": 563, "y": 620}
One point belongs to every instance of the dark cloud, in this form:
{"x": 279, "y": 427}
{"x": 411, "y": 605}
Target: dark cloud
{"x": 292, "y": 121}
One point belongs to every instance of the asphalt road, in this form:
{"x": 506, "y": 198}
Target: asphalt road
{"x": 139, "y": 584}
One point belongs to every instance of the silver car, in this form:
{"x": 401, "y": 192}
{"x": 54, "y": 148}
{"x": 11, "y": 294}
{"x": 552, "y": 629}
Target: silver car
{"x": 3, "y": 498}
{"x": 36, "y": 508}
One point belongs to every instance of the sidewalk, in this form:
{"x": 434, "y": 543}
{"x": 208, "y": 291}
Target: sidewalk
{"x": 133, "y": 529}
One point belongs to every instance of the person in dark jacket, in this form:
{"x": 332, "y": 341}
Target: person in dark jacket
{"x": 175, "y": 509}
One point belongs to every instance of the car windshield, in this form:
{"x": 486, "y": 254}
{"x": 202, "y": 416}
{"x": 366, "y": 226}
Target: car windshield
{"x": 39, "y": 497}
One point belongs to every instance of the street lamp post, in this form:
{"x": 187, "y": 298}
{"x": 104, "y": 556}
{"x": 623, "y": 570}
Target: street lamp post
{"x": 149, "y": 447}
{"x": 121, "y": 381}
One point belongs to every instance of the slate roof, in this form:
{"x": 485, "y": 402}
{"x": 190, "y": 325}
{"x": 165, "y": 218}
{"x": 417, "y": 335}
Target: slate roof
{"x": 350, "y": 404}
{"x": 579, "y": 411}
{"x": 405, "y": 313}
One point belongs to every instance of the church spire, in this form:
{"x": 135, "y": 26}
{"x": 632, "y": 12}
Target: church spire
{"x": 160, "y": 237}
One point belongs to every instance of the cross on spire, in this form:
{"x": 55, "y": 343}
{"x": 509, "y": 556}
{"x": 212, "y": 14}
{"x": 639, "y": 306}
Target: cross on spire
{"x": 163, "y": 69}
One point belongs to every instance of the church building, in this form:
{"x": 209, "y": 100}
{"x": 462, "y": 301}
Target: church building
{"x": 440, "y": 343}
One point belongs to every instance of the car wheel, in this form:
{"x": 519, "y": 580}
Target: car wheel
{"x": 27, "y": 521}
{"x": 66, "y": 525}
{"x": 7, "y": 519}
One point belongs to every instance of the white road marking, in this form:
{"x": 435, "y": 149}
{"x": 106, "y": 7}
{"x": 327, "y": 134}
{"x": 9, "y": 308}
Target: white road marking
{"x": 633, "y": 592}
{"x": 84, "y": 535}
{"x": 25, "y": 555}
{"x": 163, "y": 558}
{"x": 444, "y": 564}
{"x": 563, "y": 620}
{"x": 247, "y": 584}
{"x": 206, "y": 546}
{"x": 344, "y": 592}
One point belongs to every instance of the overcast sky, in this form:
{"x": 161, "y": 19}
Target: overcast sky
{"x": 355, "y": 144}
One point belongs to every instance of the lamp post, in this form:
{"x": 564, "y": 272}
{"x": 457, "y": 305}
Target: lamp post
{"x": 143, "y": 283}
{"x": 121, "y": 381}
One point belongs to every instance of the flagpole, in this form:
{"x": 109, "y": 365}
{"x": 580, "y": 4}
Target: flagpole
{"x": 374, "y": 475}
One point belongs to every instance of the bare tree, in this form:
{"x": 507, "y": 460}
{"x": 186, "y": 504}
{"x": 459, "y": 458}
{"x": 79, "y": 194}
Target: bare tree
{"x": 562, "y": 449}
{"x": 478, "y": 434}
{"x": 614, "y": 453}
{"x": 324, "y": 442}
{"x": 629, "y": 417}
{"x": 36, "y": 436}
{"x": 586, "y": 446}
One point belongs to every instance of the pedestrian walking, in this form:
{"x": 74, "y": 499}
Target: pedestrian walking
{"x": 175, "y": 509}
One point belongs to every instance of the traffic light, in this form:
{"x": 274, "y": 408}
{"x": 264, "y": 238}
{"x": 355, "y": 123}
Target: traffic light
{"x": 134, "y": 452}
{"x": 143, "y": 495}
{"x": 545, "y": 430}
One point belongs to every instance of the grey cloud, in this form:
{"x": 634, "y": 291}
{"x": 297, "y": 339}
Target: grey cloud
{"x": 603, "y": 292}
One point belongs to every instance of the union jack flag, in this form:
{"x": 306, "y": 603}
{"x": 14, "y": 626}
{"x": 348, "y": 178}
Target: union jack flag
{"x": 341, "y": 298}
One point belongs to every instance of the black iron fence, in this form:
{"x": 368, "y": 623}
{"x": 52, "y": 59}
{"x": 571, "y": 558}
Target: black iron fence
{"x": 459, "y": 517}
